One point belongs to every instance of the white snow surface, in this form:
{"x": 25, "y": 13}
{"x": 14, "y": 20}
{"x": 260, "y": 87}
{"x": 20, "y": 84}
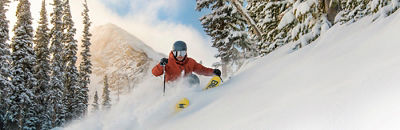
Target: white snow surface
{"x": 347, "y": 79}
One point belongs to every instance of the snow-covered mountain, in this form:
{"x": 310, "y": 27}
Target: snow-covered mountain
{"x": 121, "y": 56}
{"x": 347, "y": 79}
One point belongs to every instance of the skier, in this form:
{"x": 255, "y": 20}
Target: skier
{"x": 180, "y": 64}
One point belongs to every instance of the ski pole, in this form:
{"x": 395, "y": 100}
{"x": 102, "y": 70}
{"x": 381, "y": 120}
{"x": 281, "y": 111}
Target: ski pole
{"x": 164, "y": 79}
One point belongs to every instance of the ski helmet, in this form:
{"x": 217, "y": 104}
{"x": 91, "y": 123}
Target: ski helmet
{"x": 179, "y": 46}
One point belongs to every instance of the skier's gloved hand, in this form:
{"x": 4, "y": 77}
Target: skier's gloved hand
{"x": 164, "y": 61}
{"x": 217, "y": 72}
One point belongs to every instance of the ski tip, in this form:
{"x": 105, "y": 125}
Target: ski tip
{"x": 182, "y": 104}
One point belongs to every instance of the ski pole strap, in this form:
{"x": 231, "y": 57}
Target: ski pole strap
{"x": 221, "y": 79}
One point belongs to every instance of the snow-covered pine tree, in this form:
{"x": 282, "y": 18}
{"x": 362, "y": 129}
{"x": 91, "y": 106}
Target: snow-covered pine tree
{"x": 376, "y": 5}
{"x": 5, "y": 57}
{"x": 360, "y": 10}
{"x": 106, "y": 95}
{"x": 286, "y": 23}
{"x": 394, "y": 6}
{"x": 42, "y": 69}
{"x": 71, "y": 82}
{"x": 352, "y": 10}
{"x": 21, "y": 110}
{"x": 57, "y": 73}
{"x": 303, "y": 23}
{"x": 256, "y": 11}
{"x": 267, "y": 16}
{"x": 383, "y": 8}
{"x": 95, "y": 104}
{"x": 85, "y": 67}
{"x": 228, "y": 30}
{"x": 239, "y": 6}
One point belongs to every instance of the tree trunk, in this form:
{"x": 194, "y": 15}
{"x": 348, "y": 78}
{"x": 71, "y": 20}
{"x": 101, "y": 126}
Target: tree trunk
{"x": 249, "y": 20}
{"x": 331, "y": 8}
{"x": 224, "y": 68}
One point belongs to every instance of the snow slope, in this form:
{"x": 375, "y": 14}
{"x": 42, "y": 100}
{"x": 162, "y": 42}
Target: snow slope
{"x": 347, "y": 79}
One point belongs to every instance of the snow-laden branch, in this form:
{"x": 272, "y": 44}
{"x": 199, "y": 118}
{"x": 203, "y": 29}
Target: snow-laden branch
{"x": 249, "y": 20}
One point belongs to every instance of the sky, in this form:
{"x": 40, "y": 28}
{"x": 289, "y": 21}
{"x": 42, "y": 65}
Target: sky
{"x": 183, "y": 13}
{"x": 158, "y": 23}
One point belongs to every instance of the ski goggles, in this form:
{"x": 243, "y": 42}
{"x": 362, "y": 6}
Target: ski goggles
{"x": 179, "y": 53}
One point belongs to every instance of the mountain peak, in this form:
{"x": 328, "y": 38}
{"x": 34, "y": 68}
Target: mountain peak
{"x": 124, "y": 58}
{"x": 108, "y": 35}
{"x": 110, "y": 27}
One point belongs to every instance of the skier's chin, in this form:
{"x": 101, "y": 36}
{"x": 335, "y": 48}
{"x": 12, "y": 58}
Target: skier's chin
{"x": 180, "y": 58}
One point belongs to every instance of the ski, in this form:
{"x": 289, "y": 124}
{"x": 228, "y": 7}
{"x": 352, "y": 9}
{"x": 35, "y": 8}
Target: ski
{"x": 184, "y": 102}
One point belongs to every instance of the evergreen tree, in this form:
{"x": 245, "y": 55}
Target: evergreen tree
{"x": 352, "y": 11}
{"x": 267, "y": 16}
{"x": 239, "y": 4}
{"x": 395, "y": 5}
{"x": 376, "y": 5}
{"x": 302, "y": 23}
{"x": 5, "y": 83}
{"x": 42, "y": 69}
{"x": 21, "y": 110}
{"x": 95, "y": 102}
{"x": 228, "y": 30}
{"x": 71, "y": 71}
{"x": 256, "y": 11}
{"x": 85, "y": 67}
{"x": 57, "y": 75}
{"x": 383, "y": 8}
{"x": 286, "y": 23}
{"x": 304, "y": 19}
{"x": 106, "y": 95}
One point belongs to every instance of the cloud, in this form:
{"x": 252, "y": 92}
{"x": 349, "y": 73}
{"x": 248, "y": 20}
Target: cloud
{"x": 141, "y": 20}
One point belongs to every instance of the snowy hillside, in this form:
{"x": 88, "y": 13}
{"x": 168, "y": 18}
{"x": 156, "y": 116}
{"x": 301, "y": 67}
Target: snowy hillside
{"x": 347, "y": 79}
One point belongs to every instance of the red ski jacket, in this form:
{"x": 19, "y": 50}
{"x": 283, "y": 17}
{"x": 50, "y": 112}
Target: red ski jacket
{"x": 174, "y": 68}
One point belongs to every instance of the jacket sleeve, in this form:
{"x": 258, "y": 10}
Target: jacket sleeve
{"x": 157, "y": 70}
{"x": 200, "y": 69}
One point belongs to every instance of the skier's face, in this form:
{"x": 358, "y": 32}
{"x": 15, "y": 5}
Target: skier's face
{"x": 180, "y": 58}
